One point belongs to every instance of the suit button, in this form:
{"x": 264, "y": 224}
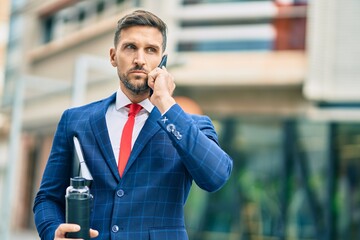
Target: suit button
{"x": 171, "y": 128}
{"x": 120, "y": 193}
{"x": 115, "y": 228}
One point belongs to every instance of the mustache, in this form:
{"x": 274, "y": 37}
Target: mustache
{"x": 138, "y": 68}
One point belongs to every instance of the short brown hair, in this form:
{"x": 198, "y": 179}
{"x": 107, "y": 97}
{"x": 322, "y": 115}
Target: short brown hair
{"x": 141, "y": 18}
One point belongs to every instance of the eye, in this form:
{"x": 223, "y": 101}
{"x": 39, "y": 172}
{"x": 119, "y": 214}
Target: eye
{"x": 130, "y": 46}
{"x": 151, "y": 50}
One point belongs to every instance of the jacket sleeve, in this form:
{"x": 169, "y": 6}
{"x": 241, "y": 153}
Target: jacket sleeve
{"x": 49, "y": 204}
{"x": 196, "y": 141}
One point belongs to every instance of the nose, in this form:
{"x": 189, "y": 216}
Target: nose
{"x": 140, "y": 59}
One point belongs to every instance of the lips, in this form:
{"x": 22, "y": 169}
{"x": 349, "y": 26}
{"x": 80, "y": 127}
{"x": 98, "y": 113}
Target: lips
{"x": 138, "y": 72}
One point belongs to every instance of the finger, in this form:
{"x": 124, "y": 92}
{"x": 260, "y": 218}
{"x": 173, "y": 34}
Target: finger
{"x": 151, "y": 81}
{"x": 153, "y": 73}
{"x": 93, "y": 233}
{"x": 151, "y": 78}
{"x": 65, "y": 228}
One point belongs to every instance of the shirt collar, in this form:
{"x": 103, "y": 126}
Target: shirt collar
{"x": 122, "y": 100}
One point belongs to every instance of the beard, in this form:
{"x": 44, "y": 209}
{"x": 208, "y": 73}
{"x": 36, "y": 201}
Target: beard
{"x": 137, "y": 86}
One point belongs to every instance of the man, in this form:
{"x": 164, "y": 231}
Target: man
{"x": 143, "y": 197}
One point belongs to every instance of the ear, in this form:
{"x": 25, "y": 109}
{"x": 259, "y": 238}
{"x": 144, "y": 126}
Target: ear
{"x": 113, "y": 57}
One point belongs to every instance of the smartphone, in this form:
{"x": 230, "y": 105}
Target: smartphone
{"x": 161, "y": 64}
{"x": 163, "y": 61}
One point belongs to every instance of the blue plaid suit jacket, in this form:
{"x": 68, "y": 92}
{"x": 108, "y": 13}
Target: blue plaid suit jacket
{"x": 147, "y": 202}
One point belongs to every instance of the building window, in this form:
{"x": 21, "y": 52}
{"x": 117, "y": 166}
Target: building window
{"x": 68, "y": 17}
{"x": 263, "y": 26}
{"x": 213, "y": 46}
{"x": 226, "y": 35}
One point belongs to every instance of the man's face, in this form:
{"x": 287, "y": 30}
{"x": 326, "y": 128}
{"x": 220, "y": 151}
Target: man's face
{"x": 139, "y": 51}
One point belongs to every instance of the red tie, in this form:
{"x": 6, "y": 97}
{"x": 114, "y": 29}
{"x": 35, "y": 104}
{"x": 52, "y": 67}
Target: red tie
{"x": 125, "y": 143}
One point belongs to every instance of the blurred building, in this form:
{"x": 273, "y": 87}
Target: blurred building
{"x": 4, "y": 124}
{"x": 4, "y": 19}
{"x": 4, "y": 29}
{"x": 241, "y": 62}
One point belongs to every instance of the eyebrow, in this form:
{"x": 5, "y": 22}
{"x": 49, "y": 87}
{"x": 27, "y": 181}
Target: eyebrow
{"x": 157, "y": 47}
{"x": 126, "y": 43}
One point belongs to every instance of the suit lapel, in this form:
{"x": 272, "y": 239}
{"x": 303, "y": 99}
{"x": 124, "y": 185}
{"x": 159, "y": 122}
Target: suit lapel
{"x": 150, "y": 128}
{"x": 100, "y": 131}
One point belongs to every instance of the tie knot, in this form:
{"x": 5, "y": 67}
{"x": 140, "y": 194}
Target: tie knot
{"x": 134, "y": 109}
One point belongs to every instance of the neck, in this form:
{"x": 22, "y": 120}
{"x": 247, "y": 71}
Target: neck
{"x": 135, "y": 98}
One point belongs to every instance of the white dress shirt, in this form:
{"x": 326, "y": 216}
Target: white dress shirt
{"x": 117, "y": 115}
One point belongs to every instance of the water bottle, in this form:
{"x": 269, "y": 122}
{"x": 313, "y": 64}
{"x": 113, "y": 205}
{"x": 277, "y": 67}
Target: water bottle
{"x": 78, "y": 207}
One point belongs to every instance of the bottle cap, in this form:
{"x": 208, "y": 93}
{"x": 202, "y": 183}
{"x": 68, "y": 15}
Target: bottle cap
{"x": 77, "y": 182}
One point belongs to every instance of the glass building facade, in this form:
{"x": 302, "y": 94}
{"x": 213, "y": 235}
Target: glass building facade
{"x": 292, "y": 179}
